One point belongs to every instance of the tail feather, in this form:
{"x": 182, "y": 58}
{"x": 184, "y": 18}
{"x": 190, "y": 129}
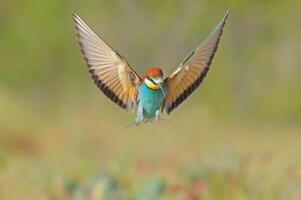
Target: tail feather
{"x": 145, "y": 121}
{"x": 129, "y": 124}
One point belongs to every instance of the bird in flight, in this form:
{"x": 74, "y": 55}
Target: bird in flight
{"x": 150, "y": 94}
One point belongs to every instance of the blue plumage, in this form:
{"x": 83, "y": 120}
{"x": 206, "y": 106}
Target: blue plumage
{"x": 149, "y": 102}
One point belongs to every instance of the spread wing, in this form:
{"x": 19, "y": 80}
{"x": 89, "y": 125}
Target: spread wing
{"x": 191, "y": 72}
{"x": 109, "y": 70}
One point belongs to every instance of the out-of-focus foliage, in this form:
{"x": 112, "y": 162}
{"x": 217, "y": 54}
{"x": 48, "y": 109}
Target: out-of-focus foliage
{"x": 57, "y": 131}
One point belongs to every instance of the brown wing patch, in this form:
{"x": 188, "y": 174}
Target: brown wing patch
{"x": 106, "y": 90}
{"x": 187, "y": 91}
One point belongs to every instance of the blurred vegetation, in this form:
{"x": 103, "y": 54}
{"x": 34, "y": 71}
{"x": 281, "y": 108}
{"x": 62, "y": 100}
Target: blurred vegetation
{"x": 237, "y": 137}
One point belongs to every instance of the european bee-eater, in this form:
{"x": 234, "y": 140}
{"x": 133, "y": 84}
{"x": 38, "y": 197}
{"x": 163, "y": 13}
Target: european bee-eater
{"x": 150, "y": 94}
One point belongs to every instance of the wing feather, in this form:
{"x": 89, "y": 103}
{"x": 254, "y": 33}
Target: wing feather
{"x": 108, "y": 69}
{"x": 191, "y": 72}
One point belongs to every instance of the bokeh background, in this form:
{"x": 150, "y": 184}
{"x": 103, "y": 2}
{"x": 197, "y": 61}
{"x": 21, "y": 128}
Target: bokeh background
{"x": 237, "y": 137}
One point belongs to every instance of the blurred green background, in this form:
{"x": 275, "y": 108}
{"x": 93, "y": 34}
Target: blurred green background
{"x": 237, "y": 137}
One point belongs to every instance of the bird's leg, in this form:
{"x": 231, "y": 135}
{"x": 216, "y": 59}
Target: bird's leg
{"x": 158, "y": 114}
{"x": 142, "y": 114}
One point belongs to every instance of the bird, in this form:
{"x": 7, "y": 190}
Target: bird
{"x": 151, "y": 94}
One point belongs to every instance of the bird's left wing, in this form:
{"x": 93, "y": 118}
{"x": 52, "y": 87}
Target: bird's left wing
{"x": 109, "y": 70}
{"x": 191, "y": 72}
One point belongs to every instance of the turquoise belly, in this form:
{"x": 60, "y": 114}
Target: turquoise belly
{"x": 150, "y": 100}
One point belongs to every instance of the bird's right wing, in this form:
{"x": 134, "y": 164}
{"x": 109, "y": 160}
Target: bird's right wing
{"x": 109, "y": 70}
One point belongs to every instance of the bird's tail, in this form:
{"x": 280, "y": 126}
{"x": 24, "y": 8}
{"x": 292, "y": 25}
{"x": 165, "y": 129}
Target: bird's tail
{"x": 145, "y": 121}
{"x": 129, "y": 124}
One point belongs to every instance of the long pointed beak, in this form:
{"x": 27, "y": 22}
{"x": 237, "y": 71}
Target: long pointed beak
{"x": 159, "y": 81}
{"x": 162, "y": 89}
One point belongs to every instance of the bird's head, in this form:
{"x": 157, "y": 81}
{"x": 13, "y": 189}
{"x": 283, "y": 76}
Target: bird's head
{"x": 154, "y": 78}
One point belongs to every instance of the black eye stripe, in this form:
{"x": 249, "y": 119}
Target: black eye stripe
{"x": 151, "y": 80}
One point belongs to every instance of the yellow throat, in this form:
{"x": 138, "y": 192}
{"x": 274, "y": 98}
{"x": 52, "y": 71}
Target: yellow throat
{"x": 151, "y": 85}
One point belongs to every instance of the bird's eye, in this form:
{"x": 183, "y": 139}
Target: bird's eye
{"x": 158, "y": 80}
{"x": 151, "y": 80}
